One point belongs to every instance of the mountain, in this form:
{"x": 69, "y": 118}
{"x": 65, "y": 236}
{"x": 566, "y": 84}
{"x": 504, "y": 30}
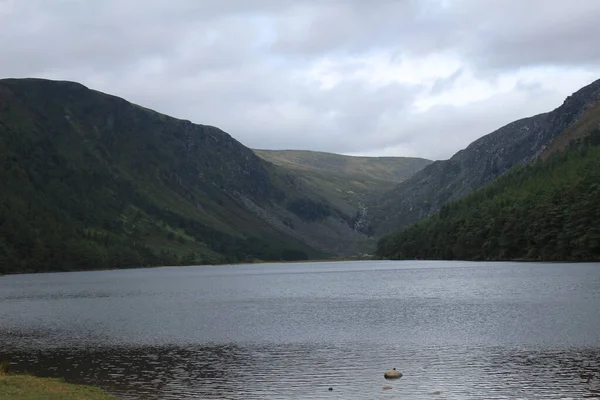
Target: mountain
{"x": 90, "y": 180}
{"x": 363, "y": 170}
{"x": 517, "y": 143}
{"x": 544, "y": 211}
{"x": 580, "y": 129}
{"x": 347, "y": 182}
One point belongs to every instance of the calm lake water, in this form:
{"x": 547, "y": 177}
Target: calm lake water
{"x": 290, "y": 331}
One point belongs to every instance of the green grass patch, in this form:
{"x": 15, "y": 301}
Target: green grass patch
{"x": 27, "y": 387}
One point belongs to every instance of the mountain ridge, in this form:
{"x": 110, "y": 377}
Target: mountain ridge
{"x": 547, "y": 210}
{"x": 302, "y": 158}
{"x": 92, "y": 180}
{"x": 120, "y": 184}
{"x": 486, "y": 158}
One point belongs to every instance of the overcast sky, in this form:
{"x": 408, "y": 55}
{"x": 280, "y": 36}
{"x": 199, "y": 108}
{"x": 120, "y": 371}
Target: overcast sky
{"x": 379, "y": 77}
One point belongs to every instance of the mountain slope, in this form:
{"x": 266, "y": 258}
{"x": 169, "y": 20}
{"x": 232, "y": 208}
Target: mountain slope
{"x": 377, "y": 169}
{"x": 544, "y": 211}
{"x": 91, "y": 180}
{"x": 345, "y": 181}
{"x": 589, "y": 121}
{"x": 482, "y": 161}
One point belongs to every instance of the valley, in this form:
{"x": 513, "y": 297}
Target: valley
{"x": 91, "y": 181}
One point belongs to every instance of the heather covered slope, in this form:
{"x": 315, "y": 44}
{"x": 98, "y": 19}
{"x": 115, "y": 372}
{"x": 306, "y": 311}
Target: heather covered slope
{"x": 91, "y": 180}
{"x": 348, "y": 182}
{"x": 360, "y": 169}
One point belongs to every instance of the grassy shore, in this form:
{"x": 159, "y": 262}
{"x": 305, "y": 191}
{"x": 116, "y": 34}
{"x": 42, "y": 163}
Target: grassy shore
{"x": 27, "y": 387}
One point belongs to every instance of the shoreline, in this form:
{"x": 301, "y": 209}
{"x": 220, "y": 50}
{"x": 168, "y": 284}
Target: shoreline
{"x": 322, "y": 260}
{"x": 29, "y": 387}
{"x": 198, "y": 265}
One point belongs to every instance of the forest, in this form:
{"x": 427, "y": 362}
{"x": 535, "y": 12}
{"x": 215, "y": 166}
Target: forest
{"x": 52, "y": 220}
{"x": 547, "y": 210}
{"x": 90, "y": 181}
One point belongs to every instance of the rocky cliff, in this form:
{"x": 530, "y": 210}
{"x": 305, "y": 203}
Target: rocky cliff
{"x": 482, "y": 161}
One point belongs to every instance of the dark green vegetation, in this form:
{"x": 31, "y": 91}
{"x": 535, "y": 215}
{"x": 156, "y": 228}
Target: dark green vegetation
{"x": 487, "y": 158}
{"x": 89, "y": 180}
{"x": 548, "y": 210}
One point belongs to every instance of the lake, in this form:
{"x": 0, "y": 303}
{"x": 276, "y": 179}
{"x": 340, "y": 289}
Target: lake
{"x": 456, "y": 330}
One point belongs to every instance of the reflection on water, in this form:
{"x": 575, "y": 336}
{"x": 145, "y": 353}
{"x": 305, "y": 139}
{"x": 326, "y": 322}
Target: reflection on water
{"x": 307, "y": 371}
{"x": 455, "y": 330}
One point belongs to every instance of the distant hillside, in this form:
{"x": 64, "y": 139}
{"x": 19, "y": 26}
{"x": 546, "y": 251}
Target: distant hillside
{"x": 377, "y": 169}
{"x": 545, "y": 211}
{"x": 348, "y": 182}
{"x": 517, "y": 143}
{"x": 90, "y": 180}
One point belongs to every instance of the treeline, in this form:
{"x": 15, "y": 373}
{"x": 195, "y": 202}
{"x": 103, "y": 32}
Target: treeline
{"x": 37, "y": 235}
{"x": 549, "y": 210}
{"x": 43, "y": 229}
{"x": 59, "y": 215}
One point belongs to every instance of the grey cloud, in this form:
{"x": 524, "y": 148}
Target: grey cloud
{"x": 514, "y": 34}
{"x": 241, "y": 65}
{"x": 491, "y": 33}
{"x": 503, "y": 33}
{"x": 443, "y": 84}
{"x": 110, "y": 34}
{"x": 448, "y": 127}
{"x": 342, "y": 26}
{"x": 436, "y": 133}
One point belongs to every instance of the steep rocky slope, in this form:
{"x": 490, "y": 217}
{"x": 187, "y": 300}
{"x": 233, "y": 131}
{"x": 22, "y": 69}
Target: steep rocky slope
{"x": 91, "y": 180}
{"x": 547, "y": 210}
{"x": 482, "y": 161}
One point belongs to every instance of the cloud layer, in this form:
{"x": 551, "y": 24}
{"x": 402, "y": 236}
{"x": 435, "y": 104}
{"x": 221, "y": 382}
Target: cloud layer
{"x": 384, "y": 77}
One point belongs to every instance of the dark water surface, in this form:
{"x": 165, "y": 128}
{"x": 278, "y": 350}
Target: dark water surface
{"x": 456, "y": 330}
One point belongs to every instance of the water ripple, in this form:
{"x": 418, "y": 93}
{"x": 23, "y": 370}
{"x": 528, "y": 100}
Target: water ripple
{"x": 306, "y": 371}
{"x": 455, "y": 330}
